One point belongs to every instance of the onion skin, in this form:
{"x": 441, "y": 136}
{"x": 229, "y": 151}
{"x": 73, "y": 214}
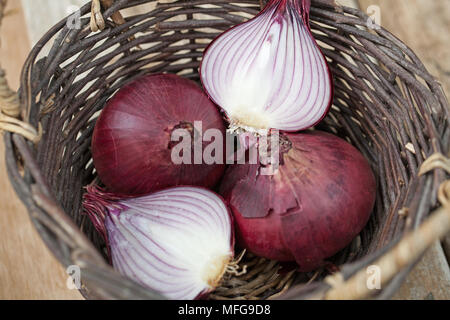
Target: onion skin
{"x": 131, "y": 144}
{"x": 314, "y": 206}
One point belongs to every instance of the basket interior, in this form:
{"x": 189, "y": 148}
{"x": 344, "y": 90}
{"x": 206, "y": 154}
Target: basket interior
{"x": 385, "y": 103}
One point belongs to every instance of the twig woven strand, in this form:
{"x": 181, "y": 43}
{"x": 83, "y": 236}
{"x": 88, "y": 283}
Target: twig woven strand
{"x": 97, "y": 22}
{"x": 435, "y": 161}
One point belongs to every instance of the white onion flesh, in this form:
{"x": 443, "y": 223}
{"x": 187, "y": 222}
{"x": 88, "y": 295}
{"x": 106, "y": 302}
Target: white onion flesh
{"x": 177, "y": 241}
{"x": 269, "y": 72}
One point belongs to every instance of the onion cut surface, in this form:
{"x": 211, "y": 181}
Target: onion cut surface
{"x": 269, "y": 73}
{"x": 177, "y": 241}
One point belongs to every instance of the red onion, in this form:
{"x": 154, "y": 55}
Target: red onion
{"x": 178, "y": 242}
{"x": 132, "y": 143}
{"x": 269, "y": 73}
{"x": 314, "y": 205}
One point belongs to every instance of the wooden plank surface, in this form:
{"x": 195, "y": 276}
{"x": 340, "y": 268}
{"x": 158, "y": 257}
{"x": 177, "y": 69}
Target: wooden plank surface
{"x": 430, "y": 278}
{"x": 29, "y": 271}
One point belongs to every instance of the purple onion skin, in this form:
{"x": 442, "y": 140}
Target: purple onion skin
{"x": 314, "y": 206}
{"x": 131, "y": 144}
{"x": 302, "y": 6}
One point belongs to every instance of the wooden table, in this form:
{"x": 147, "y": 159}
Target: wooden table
{"x": 29, "y": 271}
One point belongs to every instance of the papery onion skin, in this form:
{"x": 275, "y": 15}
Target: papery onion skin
{"x": 255, "y": 98}
{"x": 165, "y": 239}
{"x": 131, "y": 144}
{"x": 314, "y": 206}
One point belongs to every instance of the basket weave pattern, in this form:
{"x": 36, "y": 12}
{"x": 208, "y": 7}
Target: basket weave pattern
{"x": 386, "y": 104}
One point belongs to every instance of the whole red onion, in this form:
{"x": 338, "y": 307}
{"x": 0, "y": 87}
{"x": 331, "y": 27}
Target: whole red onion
{"x": 313, "y": 206}
{"x": 132, "y": 146}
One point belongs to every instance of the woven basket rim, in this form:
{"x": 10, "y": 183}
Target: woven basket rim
{"x": 46, "y": 213}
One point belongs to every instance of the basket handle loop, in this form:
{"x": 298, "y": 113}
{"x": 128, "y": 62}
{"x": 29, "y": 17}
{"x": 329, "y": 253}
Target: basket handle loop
{"x": 409, "y": 249}
{"x": 9, "y": 99}
{"x": 97, "y": 22}
{"x": 10, "y": 106}
{"x": 439, "y": 161}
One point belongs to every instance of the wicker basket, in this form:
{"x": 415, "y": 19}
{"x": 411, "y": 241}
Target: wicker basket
{"x": 386, "y": 104}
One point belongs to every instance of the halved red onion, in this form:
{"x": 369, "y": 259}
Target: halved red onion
{"x": 269, "y": 73}
{"x": 177, "y": 241}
